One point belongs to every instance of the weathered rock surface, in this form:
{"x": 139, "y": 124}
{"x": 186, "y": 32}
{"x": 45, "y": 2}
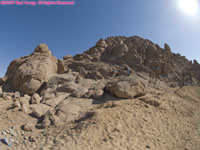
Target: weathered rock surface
{"x": 108, "y": 55}
{"x": 49, "y": 119}
{"x": 69, "y": 109}
{"x": 126, "y": 87}
{"x": 23, "y": 100}
{"x": 27, "y": 127}
{"x": 38, "y": 110}
{"x": 16, "y": 103}
{"x": 75, "y": 86}
{"x": 16, "y": 95}
{"x": 26, "y": 74}
{"x": 67, "y": 57}
{"x": 54, "y": 100}
{"x": 35, "y": 99}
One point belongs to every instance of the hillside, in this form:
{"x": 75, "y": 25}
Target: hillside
{"x": 91, "y": 102}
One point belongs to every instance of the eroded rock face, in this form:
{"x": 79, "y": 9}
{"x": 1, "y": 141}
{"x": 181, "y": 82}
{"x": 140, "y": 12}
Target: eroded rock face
{"x": 26, "y": 74}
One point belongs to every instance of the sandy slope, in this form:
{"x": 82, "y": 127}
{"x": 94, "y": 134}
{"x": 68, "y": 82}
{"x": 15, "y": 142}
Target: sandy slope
{"x": 164, "y": 119}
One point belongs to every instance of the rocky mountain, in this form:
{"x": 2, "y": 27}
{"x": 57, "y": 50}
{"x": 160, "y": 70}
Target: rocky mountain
{"x": 142, "y": 55}
{"x": 90, "y": 101}
{"x": 103, "y": 61}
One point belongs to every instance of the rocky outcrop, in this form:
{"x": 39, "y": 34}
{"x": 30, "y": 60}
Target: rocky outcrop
{"x": 62, "y": 86}
{"x": 86, "y": 94}
{"x": 106, "y": 60}
{"x": 140, "y": 54}
{"x": 26, "y": 74}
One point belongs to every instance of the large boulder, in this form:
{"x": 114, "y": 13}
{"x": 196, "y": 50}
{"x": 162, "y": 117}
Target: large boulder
{"x": 126, "y": 88}
{"x": 26, "y": 74}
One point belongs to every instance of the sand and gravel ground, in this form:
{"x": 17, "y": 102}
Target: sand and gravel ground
{"x": 163, "y": 119}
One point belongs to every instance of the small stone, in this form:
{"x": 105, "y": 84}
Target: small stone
{"x": 16, "y": 103}
{"x": 35, "y": 99}
{"x": 148, "y": 147}
{"x": 45, "y": 123}
{"x": 12, "y": 133}
{"x": 16, "y": 95}
{"x": 27, "y": 97}
{"x": 27, "y": 127}
{"x": 4, "y": 133}
{"x": 37, "y": 113}
{"x": 24, "y": 108}
{"x": 31, "y": 139}
{"x": 6, "y": 96}
{"x": 11, "y": 130}
{"x": 22, "y": 132}
{"x": 12, "y": 140}
{"x": 7, "y": 131}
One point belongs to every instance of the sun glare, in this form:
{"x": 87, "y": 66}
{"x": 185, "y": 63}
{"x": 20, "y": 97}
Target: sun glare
{"x": 189, "y": 6}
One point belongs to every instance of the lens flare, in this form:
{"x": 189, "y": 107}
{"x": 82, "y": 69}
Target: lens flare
{"x": 190, "y": 7}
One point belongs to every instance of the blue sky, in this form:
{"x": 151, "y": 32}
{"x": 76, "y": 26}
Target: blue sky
{"x": 74, "y": 29}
